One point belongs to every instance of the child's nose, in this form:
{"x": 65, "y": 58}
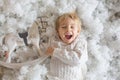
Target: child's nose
{"x": 68, "y": 28}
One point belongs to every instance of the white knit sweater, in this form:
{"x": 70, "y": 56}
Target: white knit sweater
{"x": 68, "y": 61}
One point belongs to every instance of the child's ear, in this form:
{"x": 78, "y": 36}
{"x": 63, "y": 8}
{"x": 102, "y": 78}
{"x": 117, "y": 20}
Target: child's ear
{"x": 78, "y": 31}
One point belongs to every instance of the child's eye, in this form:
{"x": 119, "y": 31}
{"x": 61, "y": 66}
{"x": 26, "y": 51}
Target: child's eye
{"x": 63, "y": 27}
{"x": 72, "y": 27}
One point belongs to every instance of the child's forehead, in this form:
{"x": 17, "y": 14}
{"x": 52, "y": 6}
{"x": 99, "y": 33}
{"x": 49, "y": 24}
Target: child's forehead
{"x": 67, "y": 20}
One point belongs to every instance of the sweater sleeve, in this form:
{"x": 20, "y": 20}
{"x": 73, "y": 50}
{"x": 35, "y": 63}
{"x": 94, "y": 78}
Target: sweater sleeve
{"x": 72, "y": 56}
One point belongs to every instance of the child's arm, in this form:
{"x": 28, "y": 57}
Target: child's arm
{"x": 72, "y": 57}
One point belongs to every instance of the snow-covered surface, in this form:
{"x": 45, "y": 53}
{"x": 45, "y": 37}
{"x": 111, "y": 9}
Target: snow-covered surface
{"x": 101, "y": 27}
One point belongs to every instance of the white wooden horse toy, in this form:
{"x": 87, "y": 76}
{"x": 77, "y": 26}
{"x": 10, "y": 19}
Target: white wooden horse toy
{"x": 34, "y": 37}
{"x": 11, "y": 41}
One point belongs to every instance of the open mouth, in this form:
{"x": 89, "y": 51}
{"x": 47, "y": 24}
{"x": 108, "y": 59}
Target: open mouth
{"x": 68, "y": 36}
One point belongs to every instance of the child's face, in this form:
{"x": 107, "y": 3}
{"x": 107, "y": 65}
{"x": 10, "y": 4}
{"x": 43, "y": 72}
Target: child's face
{"x": 68, "y": 30}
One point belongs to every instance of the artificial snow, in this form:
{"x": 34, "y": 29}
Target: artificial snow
{"x": 101, "y": 27}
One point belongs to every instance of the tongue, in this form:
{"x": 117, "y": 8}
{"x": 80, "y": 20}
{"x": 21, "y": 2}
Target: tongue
{"x": 68, "y": 36}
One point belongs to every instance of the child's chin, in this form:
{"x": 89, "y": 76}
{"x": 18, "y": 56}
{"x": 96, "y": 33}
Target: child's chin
{"x": 69, "y": 42}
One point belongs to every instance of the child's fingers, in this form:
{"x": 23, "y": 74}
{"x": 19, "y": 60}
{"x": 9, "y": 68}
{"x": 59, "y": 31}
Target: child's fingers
{"x": 50, "y": 50}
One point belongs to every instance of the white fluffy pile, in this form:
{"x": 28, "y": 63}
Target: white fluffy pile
{"x": 101, "y": 27}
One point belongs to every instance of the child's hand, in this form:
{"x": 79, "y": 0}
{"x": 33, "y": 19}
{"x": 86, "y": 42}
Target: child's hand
{"x": 49, "y": 51}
